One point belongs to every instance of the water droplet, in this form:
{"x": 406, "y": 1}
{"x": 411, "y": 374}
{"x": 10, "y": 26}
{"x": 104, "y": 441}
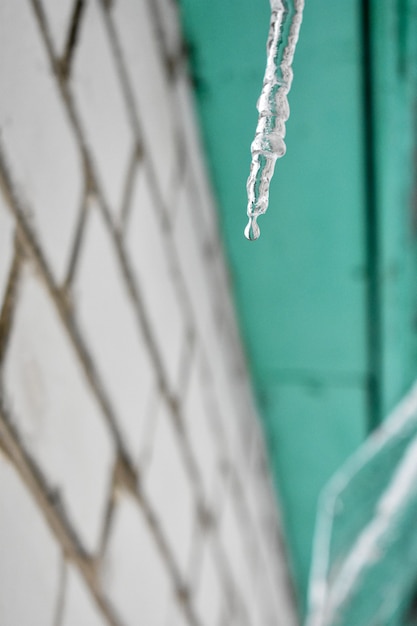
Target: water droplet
{"x": 252, "y": 230}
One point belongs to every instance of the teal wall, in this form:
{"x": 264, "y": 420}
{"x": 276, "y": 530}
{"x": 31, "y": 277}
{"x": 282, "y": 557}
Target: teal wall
{"x": 394, "y": 80}
{"x": 325, "y": 297}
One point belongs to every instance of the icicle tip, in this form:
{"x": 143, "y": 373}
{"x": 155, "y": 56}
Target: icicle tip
{"x": 252, "y": 230}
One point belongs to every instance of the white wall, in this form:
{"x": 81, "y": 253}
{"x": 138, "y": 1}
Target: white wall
{"x": 133, "y": 484}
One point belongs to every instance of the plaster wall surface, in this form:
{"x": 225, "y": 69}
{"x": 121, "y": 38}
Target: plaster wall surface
{"x": 134, "y": 486}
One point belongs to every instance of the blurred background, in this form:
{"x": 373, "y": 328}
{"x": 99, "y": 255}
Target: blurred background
{"x": 174, "y": 400}
{"x": 327, "y": 297}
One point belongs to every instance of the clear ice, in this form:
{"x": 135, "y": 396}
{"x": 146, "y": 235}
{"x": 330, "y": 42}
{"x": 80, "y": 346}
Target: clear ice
{"x": 273, "y": 108}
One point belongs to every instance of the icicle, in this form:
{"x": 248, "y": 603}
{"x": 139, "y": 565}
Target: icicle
{"x": 268, "y": 145}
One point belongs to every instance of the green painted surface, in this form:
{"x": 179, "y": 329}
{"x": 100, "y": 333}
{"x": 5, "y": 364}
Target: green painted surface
{"x": 304, "y": 291}
{"x": 311, "y": 427}
{"x": 395, "y": 115}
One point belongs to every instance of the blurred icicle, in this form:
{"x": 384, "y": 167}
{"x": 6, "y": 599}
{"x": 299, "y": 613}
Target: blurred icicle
{"x": 268, "y": 145}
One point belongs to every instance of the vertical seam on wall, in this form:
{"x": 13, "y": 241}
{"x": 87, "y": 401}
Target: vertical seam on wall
{"x": 372, "y": 244}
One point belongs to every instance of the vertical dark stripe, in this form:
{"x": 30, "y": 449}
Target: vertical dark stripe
{"x": 374, "y": 336}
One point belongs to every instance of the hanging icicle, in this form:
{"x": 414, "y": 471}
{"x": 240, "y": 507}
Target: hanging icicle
{"x": 269, "y": 145}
